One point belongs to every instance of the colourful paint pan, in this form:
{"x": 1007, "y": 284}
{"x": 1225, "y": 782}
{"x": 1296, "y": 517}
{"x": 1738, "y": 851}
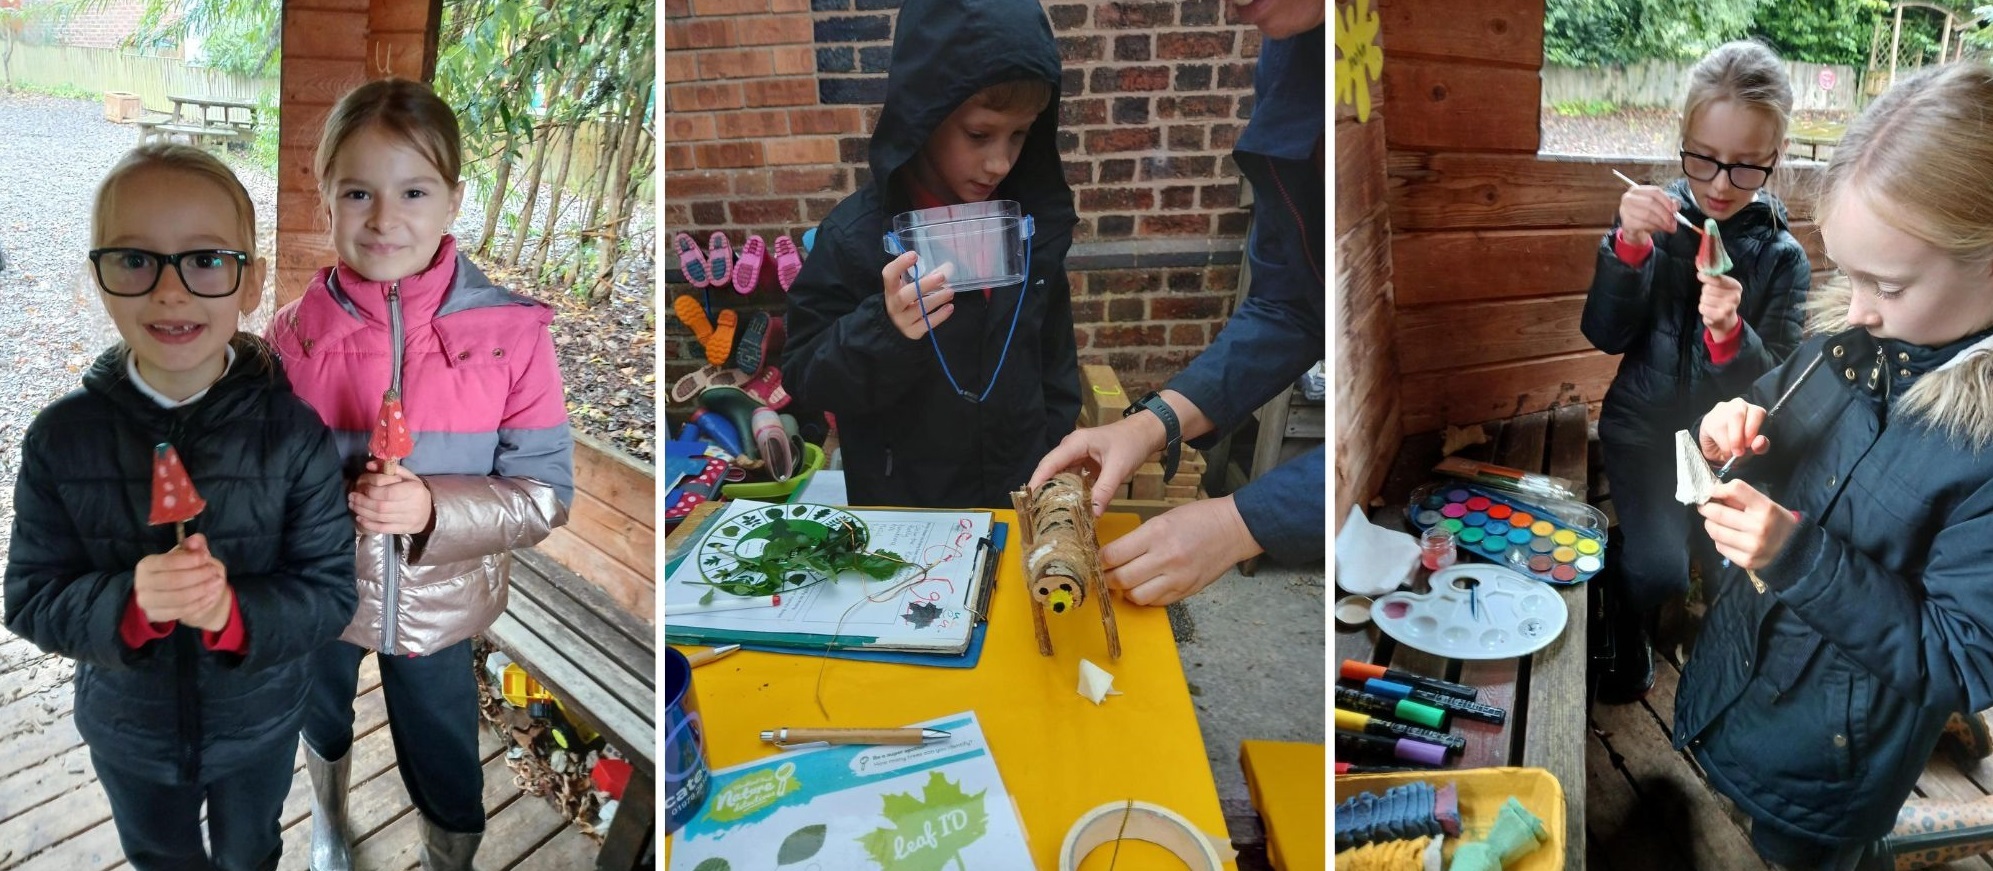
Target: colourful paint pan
{"x": 1554, "y": 542}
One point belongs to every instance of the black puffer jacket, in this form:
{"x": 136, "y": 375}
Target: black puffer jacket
{"x": 1648, "y": 313}
{"x": 908, "y": 437}
{"x": 276, "y": 518}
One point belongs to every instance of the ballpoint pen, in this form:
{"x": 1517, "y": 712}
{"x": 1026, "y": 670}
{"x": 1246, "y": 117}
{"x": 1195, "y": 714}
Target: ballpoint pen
{"x": 796, "y": 739}
{"x": 699, "y": 658}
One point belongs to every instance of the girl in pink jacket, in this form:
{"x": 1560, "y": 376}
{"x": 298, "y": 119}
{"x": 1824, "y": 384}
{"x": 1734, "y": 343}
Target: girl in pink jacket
{"x": 491, "y": 468}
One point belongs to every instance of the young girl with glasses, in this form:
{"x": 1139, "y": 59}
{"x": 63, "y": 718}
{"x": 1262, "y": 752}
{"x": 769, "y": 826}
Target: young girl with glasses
{"x": 491, "y": 470}
{"x": 192, "y": 658}
{"x": 1688, "y": 339}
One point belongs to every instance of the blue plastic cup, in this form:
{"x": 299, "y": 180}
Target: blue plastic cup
{"x": 686, "y": 775}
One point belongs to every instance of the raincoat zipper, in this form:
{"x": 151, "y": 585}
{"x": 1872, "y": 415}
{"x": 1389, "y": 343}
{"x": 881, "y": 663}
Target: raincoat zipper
{"x": 391, "y": 558}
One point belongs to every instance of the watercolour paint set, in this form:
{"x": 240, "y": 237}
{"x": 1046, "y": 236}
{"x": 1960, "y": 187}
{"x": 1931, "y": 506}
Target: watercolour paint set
{"x": 1554, "y": 542}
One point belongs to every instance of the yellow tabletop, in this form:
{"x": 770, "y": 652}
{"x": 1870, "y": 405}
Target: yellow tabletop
{"x": 1059, "y": 754}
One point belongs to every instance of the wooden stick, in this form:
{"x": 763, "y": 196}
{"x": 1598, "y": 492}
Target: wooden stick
{"x": 179, "y": 531}
{"x": 1678, "y": 215}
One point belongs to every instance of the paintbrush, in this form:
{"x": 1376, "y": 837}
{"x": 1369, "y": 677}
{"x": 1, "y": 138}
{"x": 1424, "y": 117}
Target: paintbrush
{"x": 1789, "y": 391}
{"x": 1678, "y": 215}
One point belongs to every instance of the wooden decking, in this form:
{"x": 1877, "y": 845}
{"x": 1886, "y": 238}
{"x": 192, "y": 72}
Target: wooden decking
{"x": 53, "y": 816}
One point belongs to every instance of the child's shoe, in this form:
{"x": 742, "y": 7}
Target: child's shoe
{"x": 720, "y": 257}
{"x": 693, "y": 316}
{"x": 721, "y": 345}
{"x": 747, "y": 270}
{"x": 687, "y": 388}
{"x": 1966, "y": 738}
{"x": 766, "y": 386}
{"x": 788, "y": 263}
{"x": 691, "y": 261}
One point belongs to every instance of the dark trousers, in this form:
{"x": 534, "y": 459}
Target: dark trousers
{"x": 432, "y": 714}
{"x": 159, "y": 824}
{"x": 1798, "y": 854}
{"x": 1653, "y": 560}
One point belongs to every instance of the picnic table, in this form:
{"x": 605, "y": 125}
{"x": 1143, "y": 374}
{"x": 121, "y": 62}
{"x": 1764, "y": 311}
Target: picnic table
{"x": 1544, "y": 692}
{"x": 1059, "y": 755}
{"x": 200, "y": 119}
{"x": 1812, "y": 135}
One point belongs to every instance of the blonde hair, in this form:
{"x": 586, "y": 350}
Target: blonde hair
{"x": 180, "y": 158}
{"x": 1745, "y": 72}
{"x": 1923, "y": 151}
{"x": 408, "y": 110}
{"x": 1031, "y": 94}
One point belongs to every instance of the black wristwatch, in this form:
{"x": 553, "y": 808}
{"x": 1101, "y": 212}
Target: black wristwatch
{"x": 1172, "y": 432}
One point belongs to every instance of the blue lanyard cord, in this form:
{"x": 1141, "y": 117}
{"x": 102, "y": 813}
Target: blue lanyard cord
{"x": 1026, "y": 288}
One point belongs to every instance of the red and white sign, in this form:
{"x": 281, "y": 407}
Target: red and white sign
{"x": 1827, "y": 79}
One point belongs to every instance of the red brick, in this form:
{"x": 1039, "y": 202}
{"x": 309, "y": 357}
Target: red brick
{"x": 1250, "y": 49}
{"x": 1081, "y": 338}
{"x": 794, "y": 60}
{"x": 677, "y": 8}
{"x": 1116, "y": 198}
{"x": 1221, "y": 277}
{"x": 1203, "y": 307}
{"x": 782, "y": 211}
{"x": 1181, "y": 197}
{"x": 808, "y": 181}
{"x": 702, "y": 97}
{"x": 1112, "y": 171}
{"x": 677, "y": 35}
{"x": 752, "y": 183}
{"x": 1067, "y": 17}
{"x": 689, "y": 126}
{"x": 728, "y": 7}
{"x": 1126, "y": 310}
{"x": 740, "y": 63}
{"x": 1106, "y": 80}
{"x": 1120, "y": 281}
{"x": 677, "y": 214}
{"x": 1079, "y": 49}
{"x": 1175, "y": 225}
{"x": 679, "y": 67}
{"x": 677, "y": 157}
{"x": 1166, "y": 363}
{"x": 1218, "y": 196}
{"x": 1186, "y": 137}
{"x": 1134, "y": 14}
{"x": 1200, "y": 106}
{"x": 789, "y": 6}
{"x": 1233, "y": 224}
{"x": 775, "y": 30}
{"x": 721, "y": 155}
{"x": 817, "y": 209}
{"x": 753, "y": 125}
{"x": 1078, "y": 172}
{"x": 1121, "y": 139}
{"x": 1128, "y": 336}
{"x": 1199, "y": 44}
{"x": 802, "y": 150}
{"x": 711, "y": 33}
{"x": 1186, "y": 280}
{"x": 694, "y": 184}
{"x": 1187, "y": 334}
{"x": 1090, "y": 312}
{"x": 1224, "y": 136}
{"x": 1074, "y": 113}
{"x": 1133, "y": 47}
{"x": 782, "y": 92}
{"x": 828, "y": 119}
{"x": 710, "y": 213}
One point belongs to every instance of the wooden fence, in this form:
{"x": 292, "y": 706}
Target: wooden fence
{"x": 1661, "y": 84}
{"x": 152, "y": 78}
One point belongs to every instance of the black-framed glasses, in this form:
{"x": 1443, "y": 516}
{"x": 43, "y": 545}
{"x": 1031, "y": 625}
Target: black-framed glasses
{"x": 1743, "y": 176}
{"x": 208, "y": 272}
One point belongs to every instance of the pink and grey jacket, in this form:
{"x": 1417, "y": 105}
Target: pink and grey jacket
{"x": 482, "y": 392}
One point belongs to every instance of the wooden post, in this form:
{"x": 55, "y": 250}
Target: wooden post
{"x": 1944, "y": 39}
{"x": 1895, "y": 44}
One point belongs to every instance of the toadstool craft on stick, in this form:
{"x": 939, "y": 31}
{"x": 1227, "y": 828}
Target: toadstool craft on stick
{"x": 174, "y": 499}
{"x": 390, "y": 442}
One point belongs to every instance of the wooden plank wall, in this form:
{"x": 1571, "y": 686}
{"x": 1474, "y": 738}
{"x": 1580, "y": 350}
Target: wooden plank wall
{"x": 1492, "y": 245}
{"x": 611, "y": 534}
{"x": 1365, "y": 365}
{"x": 331, "y": 47}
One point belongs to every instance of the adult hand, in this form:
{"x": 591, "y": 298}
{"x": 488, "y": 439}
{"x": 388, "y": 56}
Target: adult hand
{"x": 1720, "y": 296}
{"x": 1643, "y": 211}
{"x": 906, "y": 300}
{"x": 398, "y": 504}
{"x": 1114, "y": 451}
{"x": 183, "y": 582}
{"x": 1749, "y": 529}
{"x": 1178, "y": 552}
{"x": 1731, "y": 429}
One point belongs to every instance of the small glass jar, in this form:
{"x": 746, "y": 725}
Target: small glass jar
{"x": 1436, "y": 549}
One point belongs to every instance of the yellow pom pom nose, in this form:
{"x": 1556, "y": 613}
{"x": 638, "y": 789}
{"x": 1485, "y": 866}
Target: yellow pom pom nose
{"x": 1060, "y": 600}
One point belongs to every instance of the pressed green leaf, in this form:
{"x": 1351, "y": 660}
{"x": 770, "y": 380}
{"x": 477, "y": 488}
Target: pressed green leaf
{"x": 800, "y": 845}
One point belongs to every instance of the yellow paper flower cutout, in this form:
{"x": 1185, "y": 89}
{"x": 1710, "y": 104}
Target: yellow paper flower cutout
{"x": 1359, "y": 59}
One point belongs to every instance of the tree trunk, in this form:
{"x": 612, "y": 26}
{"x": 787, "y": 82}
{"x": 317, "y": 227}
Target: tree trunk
{"x": 497, "y": 201}
{"x": 570, "y": 140}
{"x": 576, "y": 264}
{"x": 525, "y": 222}
{"x": 612, "y": 232}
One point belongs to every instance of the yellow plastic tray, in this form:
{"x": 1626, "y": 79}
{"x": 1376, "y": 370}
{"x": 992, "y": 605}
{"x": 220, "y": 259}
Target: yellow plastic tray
{"x": 1482, "y": 791}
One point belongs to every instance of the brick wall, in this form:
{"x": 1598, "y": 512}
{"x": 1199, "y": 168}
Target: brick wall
{"x": 770, "y": 104}
{"x": 104, "y": 26}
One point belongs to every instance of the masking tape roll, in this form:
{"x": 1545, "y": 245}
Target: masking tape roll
{"x": 1142, "y": 821}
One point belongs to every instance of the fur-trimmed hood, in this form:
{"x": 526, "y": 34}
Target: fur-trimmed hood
{"x": 1950, "y": 388}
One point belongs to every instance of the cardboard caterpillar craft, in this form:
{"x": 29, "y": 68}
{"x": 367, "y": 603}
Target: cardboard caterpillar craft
{"x": 1061, "y": 554}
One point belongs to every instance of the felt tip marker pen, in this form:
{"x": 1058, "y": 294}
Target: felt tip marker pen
{"x": 1459, "y": 707}
{"x": 1403, "y": 710}
{"x": 1356, "y": 722}
{"x": 1362, "y": 671}
{"x": 1403, "y": 749}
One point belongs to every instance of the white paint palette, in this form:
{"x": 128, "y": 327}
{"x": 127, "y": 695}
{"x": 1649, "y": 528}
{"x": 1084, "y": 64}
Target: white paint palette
{"x": 1474, "y": 611}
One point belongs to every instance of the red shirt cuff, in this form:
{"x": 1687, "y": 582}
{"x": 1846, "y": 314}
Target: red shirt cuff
{"x": 135, "y": 629}
{"x": 232, "y": 638}
{"x": 1724, "y": 351}
{"x": 1629, "y": 253}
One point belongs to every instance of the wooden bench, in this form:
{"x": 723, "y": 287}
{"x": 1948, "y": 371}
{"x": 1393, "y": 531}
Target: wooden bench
{"x": 1544, "y": 693}
{"x": 195, "y": 118}
{"x": 601, "y": 663}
